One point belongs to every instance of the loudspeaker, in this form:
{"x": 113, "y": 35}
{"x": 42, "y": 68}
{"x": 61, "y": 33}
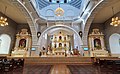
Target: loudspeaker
{"x": 57, "y": 2}
{"x": 38, "y": 34}
{"x": 65, "y": 1}
{"x": 50, "y": 0}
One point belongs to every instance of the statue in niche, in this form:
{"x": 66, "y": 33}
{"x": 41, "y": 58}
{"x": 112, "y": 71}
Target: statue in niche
{"x": 55, "y": 45}
{"x": 60, "y": 32}
{"x": 97, "y": 43}
{"x": 60, "y": 44}
{"x": 64, "y": 38}
{"x": 68, "y": 36}
{"x": 60, "y": 37}
{"x": 22, "y": 43}
{"x": 64, "y": 45}
{"x": 55, "y": 38}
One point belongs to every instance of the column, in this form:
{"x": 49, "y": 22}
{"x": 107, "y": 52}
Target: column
{"x": 92, "y": 43}
{"x": 27, "y": 42}
{"x": 17, "y": 41}
{"x": 29, "y": 47}
{"x": 102, "y": 43}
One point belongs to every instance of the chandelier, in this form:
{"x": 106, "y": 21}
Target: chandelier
{"x": 59, "y": 11}
{"x": 115, "y": 20}
{"x": 3, "y": 20}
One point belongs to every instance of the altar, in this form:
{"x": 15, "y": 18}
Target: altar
{"x": 59, "y": 44}
{"x": 22, "y": 45}
{"x": 97, "y": 45}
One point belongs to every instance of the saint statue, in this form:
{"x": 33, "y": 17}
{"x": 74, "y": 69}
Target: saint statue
{"x": 97, "y": 43}
{"x": 60, "y": 37}
{"x": 22, "y": 43}
{"x": 55, "y": 45}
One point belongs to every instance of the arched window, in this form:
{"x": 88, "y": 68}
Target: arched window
{"x": 114, "y": 42}
{"x": 5, "y": 41}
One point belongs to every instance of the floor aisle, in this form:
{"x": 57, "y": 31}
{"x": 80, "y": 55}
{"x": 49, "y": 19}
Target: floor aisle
{"x": 60, "y": 69}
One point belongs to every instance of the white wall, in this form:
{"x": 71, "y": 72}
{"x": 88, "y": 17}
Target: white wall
{"x": 5, "y": 44}
{"x": 114, "y": 42}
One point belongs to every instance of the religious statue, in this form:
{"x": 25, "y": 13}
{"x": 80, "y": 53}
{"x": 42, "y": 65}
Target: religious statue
{"x": 97, "y": 43}
{"x": 64, "y": 38}
{"x": 49, "y": 50}
{"x": 55, "y": 45}
{"x": 60, "y": 38}
{"x": 60, "y": 44}
{"x": 22, "y": 43}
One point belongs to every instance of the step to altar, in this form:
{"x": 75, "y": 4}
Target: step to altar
{"x": 57, "y": 60}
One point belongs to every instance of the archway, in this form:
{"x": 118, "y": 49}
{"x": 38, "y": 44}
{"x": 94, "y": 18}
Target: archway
{"x": 30, "y": 20}
{"x": 114, "y": 42}
{"x": 56, "y": 28}
{"x": 90, "y": 19}
{"x": 5, "y": 41}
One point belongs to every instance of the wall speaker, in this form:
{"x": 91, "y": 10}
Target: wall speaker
{"x": 65, "y": 1}
{"x": 57, "y": 1}
{"x": 50, "y": 0}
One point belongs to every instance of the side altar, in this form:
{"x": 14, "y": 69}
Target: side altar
{"x": 22, "y": 45}
{"x": 97, "y": 45}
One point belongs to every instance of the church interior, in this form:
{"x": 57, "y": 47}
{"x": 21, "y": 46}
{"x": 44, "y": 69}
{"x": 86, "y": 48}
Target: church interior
{"x": 60, "y": 36}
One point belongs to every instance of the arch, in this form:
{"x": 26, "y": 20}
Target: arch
{"x": 70, "y": 13}
{"x": 87, "y": 25}
{"x": 30, "y": 19}
{"x": 5, "y": 41}
{"x": 114, "y": 42}
{"x": 49, "y": 12}
{"x": 80, "y": 43}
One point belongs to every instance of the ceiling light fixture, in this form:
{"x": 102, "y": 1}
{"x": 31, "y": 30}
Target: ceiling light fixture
{"x": 115, "y": 20}
{"x": 3, "y": 20}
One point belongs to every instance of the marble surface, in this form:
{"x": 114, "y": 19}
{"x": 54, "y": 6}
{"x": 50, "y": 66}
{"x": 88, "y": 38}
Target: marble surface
{"x": 60, "y": 69}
